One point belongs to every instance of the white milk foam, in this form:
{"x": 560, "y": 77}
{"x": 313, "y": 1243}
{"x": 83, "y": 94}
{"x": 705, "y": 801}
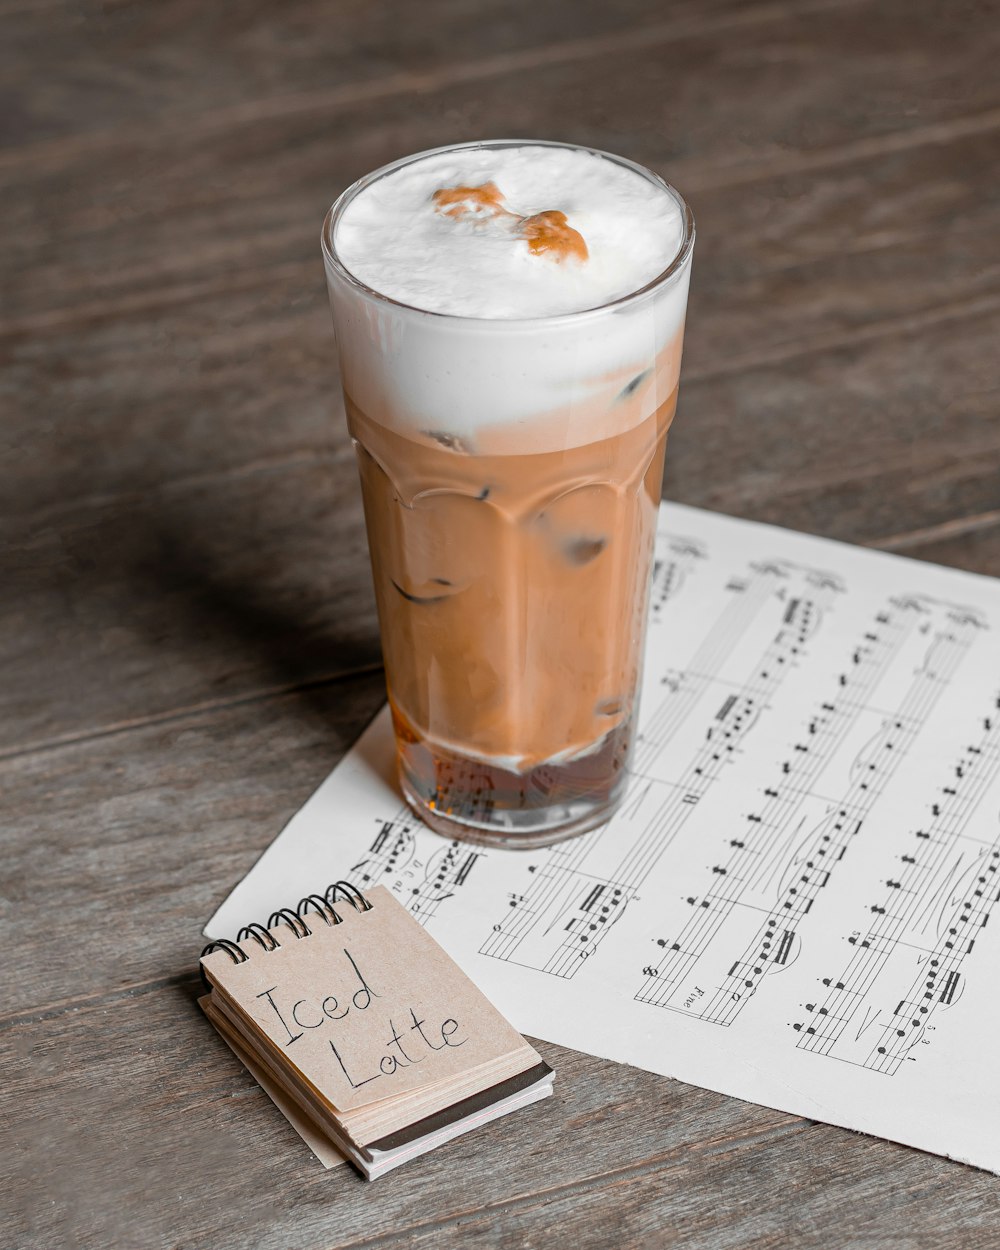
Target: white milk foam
{"x": 506, "y": 355}
{"x": 394, "y": 239}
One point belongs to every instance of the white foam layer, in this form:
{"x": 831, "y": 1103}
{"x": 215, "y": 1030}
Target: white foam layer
{"x": 545, "y": 381}
{"x": 395, "y": 239}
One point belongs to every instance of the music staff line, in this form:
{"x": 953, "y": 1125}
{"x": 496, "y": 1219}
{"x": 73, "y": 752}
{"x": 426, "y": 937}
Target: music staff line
{"x": 919, "y": 886}
{"x": 771, "y": 946}
{"x": 797, "y": 901}
{"x": 830, "y": 725}
{"x": 894, "y": 1043}
{"x": 921, "y": 1000}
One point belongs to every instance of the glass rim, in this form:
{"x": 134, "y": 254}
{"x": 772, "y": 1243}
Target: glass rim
{"x": 675, "y": 266}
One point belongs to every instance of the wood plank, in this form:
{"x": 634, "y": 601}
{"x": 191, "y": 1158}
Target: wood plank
{"x": 791, "y": 259}
{"x": 200, "y": 595}
{"x": 135, "y": 1126}
{"x": 160, "y": 203}
{"x": 72, "y": 71}
{"x": 151, "y": 1092}
{"x": 856, "y": 443}
{"x": 137, "y": 836}
{"x": 141, "y": 400}
{"x": 971, "y": 543}
{"x": 856, "y": 239}
{"x": 859, "y": 28}
{"x": 817, "y": 1187}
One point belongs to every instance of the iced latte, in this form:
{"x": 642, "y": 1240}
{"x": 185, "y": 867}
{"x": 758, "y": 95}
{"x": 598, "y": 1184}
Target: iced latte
{"x": 509, "y": 318}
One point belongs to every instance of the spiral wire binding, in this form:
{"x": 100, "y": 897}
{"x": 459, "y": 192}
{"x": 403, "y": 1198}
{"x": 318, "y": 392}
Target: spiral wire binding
{"x": 351, "y": 894}
{"x": 292, "y": 919}
{"x": 322, "y": 908}
{"x": 321, "y": 904}
{"x": 260, "y": 935}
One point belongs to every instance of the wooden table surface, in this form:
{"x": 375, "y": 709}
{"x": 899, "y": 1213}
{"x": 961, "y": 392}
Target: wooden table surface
{"x": 187, "y": 632}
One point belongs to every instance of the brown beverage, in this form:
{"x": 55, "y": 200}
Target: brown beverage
{"x": 511, "y": 553}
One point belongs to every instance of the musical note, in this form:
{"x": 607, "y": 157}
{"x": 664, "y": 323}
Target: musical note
{"x": 391, "y": 859}
{"x": 671, "y": 569}
{"x": 447, "y": 872}
{"x": 390, "y": 851}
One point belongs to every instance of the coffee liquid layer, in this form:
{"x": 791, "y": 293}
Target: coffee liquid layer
{"x": 512, "y": 588}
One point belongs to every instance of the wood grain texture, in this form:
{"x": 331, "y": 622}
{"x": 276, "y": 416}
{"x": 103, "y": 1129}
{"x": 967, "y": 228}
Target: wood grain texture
{"x": 198, "y": 595}
{"x": 187, "y": 632}
{"x": 217, "y": 1146}
{"x": 145, "y": 831}
{"x": 616, "y": 1157}
{"x": 191, "y": 201}
{"x": 148, "y": 64}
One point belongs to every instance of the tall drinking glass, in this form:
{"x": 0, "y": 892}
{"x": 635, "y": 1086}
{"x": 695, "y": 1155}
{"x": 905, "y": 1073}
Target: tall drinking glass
{"x": 511, "y": 473}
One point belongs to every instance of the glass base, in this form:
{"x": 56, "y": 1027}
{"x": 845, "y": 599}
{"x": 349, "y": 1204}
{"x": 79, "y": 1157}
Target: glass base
{"x": 476, "y": 802}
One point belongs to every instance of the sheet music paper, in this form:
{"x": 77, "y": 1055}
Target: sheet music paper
{"x": 797, "y": 904}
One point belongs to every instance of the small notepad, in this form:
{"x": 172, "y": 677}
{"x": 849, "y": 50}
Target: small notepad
{"x": 362, "y": 1023}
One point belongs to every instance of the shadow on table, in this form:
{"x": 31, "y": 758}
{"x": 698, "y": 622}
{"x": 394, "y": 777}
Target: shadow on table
{"x": 230, "y": 589}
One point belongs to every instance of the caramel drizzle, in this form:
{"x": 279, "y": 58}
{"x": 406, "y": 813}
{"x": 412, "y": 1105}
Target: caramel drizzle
{"x": 551, "y": 232}
{"x": 482, "y": 201}
{"x": 547, "y": 233}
